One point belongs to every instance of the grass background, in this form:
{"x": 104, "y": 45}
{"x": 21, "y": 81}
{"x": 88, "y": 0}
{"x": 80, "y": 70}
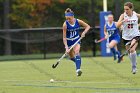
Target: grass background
{"x": 100, "y": 75}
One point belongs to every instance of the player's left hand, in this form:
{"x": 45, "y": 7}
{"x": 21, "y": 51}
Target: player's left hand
{"x": 83, "y": 34}
{"x": 106, "y": 36}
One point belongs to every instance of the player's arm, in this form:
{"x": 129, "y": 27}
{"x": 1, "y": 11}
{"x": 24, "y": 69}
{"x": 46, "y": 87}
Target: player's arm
{"x": 85, "y": 25}
{"x": 64, "y": 35}
{"x": 138, "y": 15}
{"x": 119, "y": 27}
{"x": 105, "y": 32}
{"x": 120, "y": 21}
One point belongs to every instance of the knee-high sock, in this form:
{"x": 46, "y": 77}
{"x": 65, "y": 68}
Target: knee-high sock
{"x": 72, "y": 59}
{"x": 78, "y": 61}
{"x": 113, "y": 51}
{"x": 129, "y": 56}
{"x": 133, "y": 59}
{"x": 118, "y": 53}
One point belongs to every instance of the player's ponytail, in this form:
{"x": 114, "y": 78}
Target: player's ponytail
{"x": 130, "y": 5}
{"x": 69, "y": 12}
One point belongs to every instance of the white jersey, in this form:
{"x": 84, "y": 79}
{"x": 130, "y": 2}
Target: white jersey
{"x": 130, "y": 27}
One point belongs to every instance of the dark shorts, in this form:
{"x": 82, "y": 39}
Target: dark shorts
{"x": 128, "y": 42}
{"x": 116, "y": 38}
{"x": 71, "y": 42}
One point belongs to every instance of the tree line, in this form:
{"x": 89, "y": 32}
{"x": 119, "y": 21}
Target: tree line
{"x": 50, "y": 13}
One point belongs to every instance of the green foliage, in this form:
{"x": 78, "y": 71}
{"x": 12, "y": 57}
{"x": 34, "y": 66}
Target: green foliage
{"x": 1, "y": 0}
{"x": 1, "y": 13}
{"x": 75, "y": 1}
{"x": 28, "y": 14}
{"x": 25, "y": 14}
{"x": 56, "y": 12}
{"x": 136, "y": 4}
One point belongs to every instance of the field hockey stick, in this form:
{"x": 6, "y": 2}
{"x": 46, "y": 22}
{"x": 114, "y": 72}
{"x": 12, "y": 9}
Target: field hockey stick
{"x": 126, "y": 52}
{"x": 58, "y": 61}
{"x": 100, "y": 40}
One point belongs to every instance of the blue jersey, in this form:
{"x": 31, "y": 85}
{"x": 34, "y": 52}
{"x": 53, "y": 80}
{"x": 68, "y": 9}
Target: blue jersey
{"x": 112, "y": 30}
{"x": 72, "y": 33}
{"x": 72, "y": 30}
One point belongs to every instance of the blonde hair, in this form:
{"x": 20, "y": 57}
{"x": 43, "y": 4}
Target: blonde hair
{"x": 110, "y": 15}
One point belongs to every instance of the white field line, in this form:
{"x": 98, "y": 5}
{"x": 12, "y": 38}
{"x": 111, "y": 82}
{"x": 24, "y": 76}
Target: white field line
{"x": 60, "y": 81}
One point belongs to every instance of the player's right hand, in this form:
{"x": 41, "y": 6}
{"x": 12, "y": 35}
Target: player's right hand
{"x": 67, "y": 50}
{"x": 126, "y": 20}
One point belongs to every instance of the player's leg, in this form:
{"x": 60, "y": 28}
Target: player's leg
{"x": 77, "y": 59}
{"x": 112, "y": 46}
{"x": 72, "y": 55}
{"x": 75, "y": 55}
{"x": 117, "y": 52}
{"x": 133, "y": 56}
{"x": 127, "y": 45}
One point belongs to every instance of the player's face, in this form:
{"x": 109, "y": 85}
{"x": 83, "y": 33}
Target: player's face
{"x": 69, "y": 19}
{"x": 110, "y": 18}
{"x": 127, "y": 10}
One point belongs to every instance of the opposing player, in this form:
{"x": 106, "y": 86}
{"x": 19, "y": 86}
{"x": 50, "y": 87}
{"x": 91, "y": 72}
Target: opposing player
{"x": 111, "y": 31}
{"x": 130, "y": 33}
{"x": 71, "y": 29}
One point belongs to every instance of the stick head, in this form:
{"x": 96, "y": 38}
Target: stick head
{"x": 55, "y": 65}
{"x": 96, "y": 41}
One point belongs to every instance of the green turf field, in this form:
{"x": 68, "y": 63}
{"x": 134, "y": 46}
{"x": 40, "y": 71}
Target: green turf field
{"x": 100, "y": 75}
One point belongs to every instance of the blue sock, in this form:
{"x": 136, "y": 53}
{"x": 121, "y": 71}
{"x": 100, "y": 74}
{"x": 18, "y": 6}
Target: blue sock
{"x": 78, "y": 62}
{"x": 118, "y": 53}
{"x": 113, "y": 51}
{"x": 72, "y": 59}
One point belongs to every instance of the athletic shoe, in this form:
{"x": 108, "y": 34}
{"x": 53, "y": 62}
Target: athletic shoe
{"x": 79, "y": 72}
{"x": 134, "y": 70}
{"x": 120, "y": 59}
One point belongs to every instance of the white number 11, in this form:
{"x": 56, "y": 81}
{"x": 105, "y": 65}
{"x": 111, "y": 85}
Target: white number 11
{"x": 72, "y": 34}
